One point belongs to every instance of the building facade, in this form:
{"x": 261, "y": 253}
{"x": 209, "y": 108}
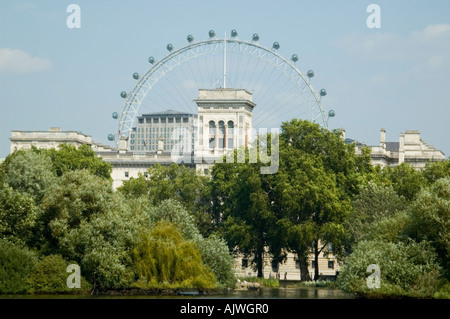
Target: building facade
{"x": 410, "y": 149}
{"x": 157, "y": 129}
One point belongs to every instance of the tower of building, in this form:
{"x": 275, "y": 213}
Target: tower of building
{"x": 225, "y": 120}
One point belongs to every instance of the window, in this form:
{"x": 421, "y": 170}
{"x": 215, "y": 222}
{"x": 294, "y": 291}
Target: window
{"x": 212, "y": 142}
{"x": 141, "y": 121}
{"x": 221, "y": 127}
{"x": 221, "y": 143}
{"x": 212, "y": 127}
{"x": 185, "y": 119}
{"x": 244, "y": 263}
{"x": 330, "y": 264}
{"x": 163, "y": 120}
{"x": 178, "y": 120}
{"x": 313, "y": 264}
{"x": 274, "y": 265}
{"x": 230, "y": 143}
{"x": 230, "y": 127}
{"x": 126, "y": 174}
{"x": 297, "y": 264}
{"x": 170, "y": 120}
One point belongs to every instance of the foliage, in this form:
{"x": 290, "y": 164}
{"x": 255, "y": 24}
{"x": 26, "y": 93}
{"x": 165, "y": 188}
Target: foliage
{"x": 242, "y": 209}
{"x": 213, "y": 249}
{"x": 177, "y": 182}
{"x": 406, "y": 269}
{"x": 215, "y": 254}
{"x": 50, "y": 276}
{"x": 70, "y": 158}
{"x": 16, "y": 264}
{"x": 164, "y": 259}
{"x": 77, "y": 196}
{"x": 405, "y": 179}
{"x": 29, "y": 172}
{"x": 373, "y": 203}
{"x": 436, "y": 170}
{"x": 429, "y": 220}
{"x": 18, "y": 215}
{"x": 102, "y": 245}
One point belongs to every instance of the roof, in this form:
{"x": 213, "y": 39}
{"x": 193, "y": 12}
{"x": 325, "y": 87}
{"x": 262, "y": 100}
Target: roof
{"x": 167, "y": 112}
{"x": 392, "y": 146}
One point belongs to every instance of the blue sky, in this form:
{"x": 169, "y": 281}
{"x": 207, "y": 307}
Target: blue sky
{"x": 395, "y": 77}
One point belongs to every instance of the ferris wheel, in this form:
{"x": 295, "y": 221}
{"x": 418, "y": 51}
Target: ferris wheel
{"x": 280, "y": 90}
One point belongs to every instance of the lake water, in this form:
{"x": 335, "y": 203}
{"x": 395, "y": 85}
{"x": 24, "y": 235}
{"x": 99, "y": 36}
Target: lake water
{"x": 264, "y": 292}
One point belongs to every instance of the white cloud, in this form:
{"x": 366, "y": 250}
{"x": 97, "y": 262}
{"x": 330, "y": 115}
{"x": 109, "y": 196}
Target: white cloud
{"x": 16, "y": 61}
{"x": 430, "y": 46}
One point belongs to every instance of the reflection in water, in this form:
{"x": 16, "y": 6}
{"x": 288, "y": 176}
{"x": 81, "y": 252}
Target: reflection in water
{"x": 303, "y": 292}
{"x": 264, "y": 292}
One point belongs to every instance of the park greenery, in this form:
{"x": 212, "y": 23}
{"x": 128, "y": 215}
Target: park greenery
{"x": 177, "y": 228}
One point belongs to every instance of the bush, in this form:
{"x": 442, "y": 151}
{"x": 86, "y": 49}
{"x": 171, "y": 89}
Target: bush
{"x": 50, "y": 276}
{"x": 164, "y": 259}
{"x": 406, "y": 269}
{"x": 16, "y": 264}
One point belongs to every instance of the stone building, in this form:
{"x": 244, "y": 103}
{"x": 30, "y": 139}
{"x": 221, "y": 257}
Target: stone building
{"x": 410, "y": 149}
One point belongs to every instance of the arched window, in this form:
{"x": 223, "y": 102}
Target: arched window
{"x": 230, "y": 127}
{"x": 212, "y": 127}
{"x": 221, "y": 127}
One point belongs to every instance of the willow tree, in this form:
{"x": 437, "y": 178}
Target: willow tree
{"x": 164, "y": 259}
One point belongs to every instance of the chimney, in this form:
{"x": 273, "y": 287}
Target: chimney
{"x": 123, "y": 144}
{"x": 343, "y": 133}
{"x": 383, "y": 138}
{"x": 401, "y": 149}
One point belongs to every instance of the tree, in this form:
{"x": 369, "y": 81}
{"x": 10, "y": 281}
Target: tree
{"x": 16, "y": 265}
{"x": 102, "y": 244}
{"x": 405, "y": 179}
{"x": 318, "y": 175}
{"x": 29, "y": 172}
{"x": 242, "y": 207}
{"x": 436, "y": 170}
{"x": 50, "y": 276}
{"x": 77, "y": 196}
{"x": 177, "y": 182}
{"x": 70, "y": 158}
{"x": 373, "y": 203}
{"x": 213, "y": 249}
{"x": 429, "y": 220}
{"x": 406, "y": 269}
{"x": 165, "y": 259}
{"x": 18, "y": 216}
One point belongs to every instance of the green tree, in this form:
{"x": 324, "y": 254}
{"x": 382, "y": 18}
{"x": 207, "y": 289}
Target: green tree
{"x": 373, "y": 203}
{"x": 29, "y": 172}
{"x": 50, "y": 276}
{"x": 177, "y": 182}
{"x": 436, "y": 170}
{"x": 242, "y": 207}
{"x": 213, "y": 249}
{"x": 77, "y": 196}
{"x": 318, "y": 175}
{"x": 102, "y": 245}
{"x": 18, "y": 216}
{"x": 70, "y": 158}
{"x": 405, "y": 179}
{"x": 406, "y": 269}
{"x": 16, "y": 265}
{"x": 164, "y": 258}
{"x": 429, "y": 220}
